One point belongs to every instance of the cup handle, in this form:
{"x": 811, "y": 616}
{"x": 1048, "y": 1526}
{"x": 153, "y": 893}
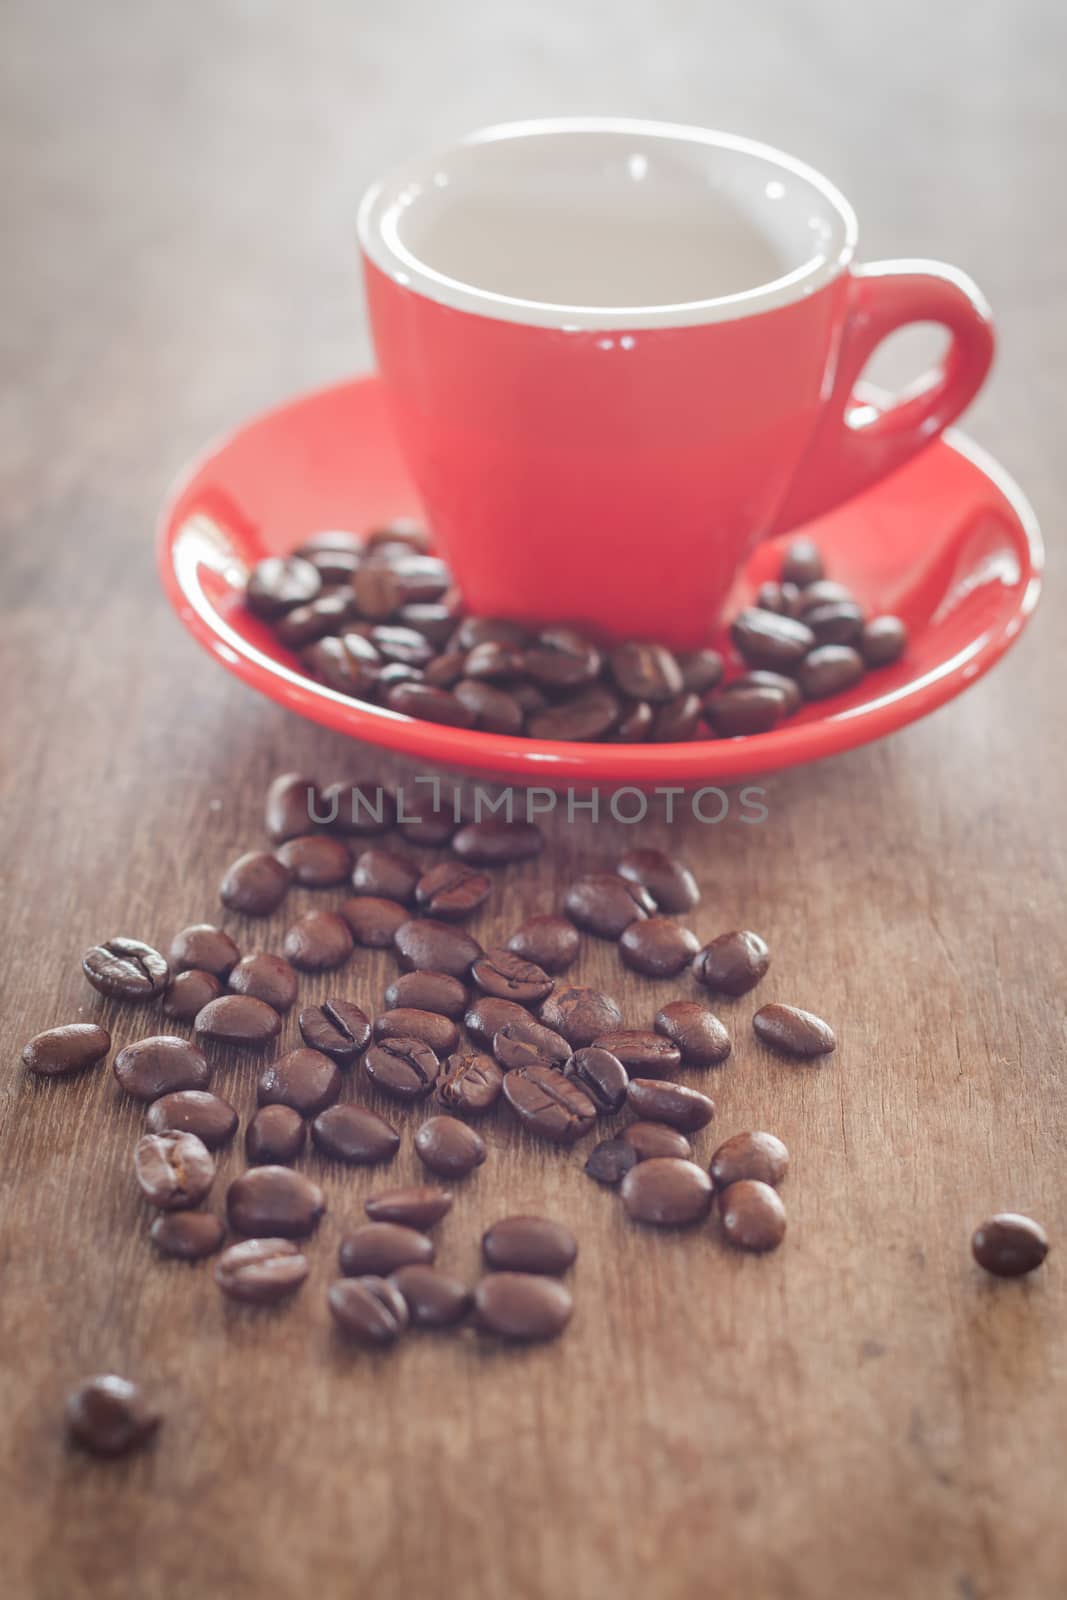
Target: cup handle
{"x": 855, "y": 444}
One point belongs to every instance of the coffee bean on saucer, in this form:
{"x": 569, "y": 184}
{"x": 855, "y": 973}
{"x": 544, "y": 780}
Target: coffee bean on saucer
{"x": 265, "y": 977}
{"x": 269, "y": 1201}
{"x": 643, "y": 1054}
{"x": 682, "y": 1108}
{"x": 380, "y": 1248}
{"x": 275, "y": 1136}
{"x": 403, "y": 1066}
{"x": 126, "y": 969}
{"x": 667, "y": 1193}
{"x": 883, "y": 641}
{"x": 448, "y": 1147}
{"x": 601, "y": 1075}
{"x": 324, "y": 617}
{"x": 549, "y": 1104}
{"x": 426, "y": 943}
{"x": 333, "y": 563}
{"x": 492, "y": 710}
{"x": 256, "y": 884}
{"x": 611, "y": 1160}
{"x": 496, "y": 841}
{"x": 70, "y": 1048}
{"x": 485, "y": 1017}
{"x": 205, "y": 948}
{"x": 676, "y": 720}
{"x": 417, "y": 1206}
{"x": 765, "y": 639}
{"x": 562, "y": 658}
{"x": 109, "y": 1416}
{"x": 551, "y": 942}
{"x": 701, "y": 670}
{"x": 646, "y": 671}
{"x": 316, "y": 860}
{"x": 494, "y": 659}
{"x": 338, "y": 1028}
{"x": 385, "y": 874}
{"x": 634, "y": 725}
{"x": 355, "y": 1135}
{"x": 174, "y": 1171}
{"x": 793, "y": 1032}
{"x": 378, "y": 591}
{"x": 835, "y": 622}
{"x": 744, "y": 708}
{"x": 657, "y": 947}
{"x": 760, "y": 1156}
{"x": 529, "y": 1244}
{"x": 428, "y": 704}
{"x": 672, "y": 886}
{"x": 604, "y": 904}
{"x": 434, "y": 619}
{"x": 187, "y": 1235}
{"x": 402, "y": 533}
{"x": 733, "y": 963}
{"x": 261, "y": 1272}
{"x": 470, "y": 1084}
{"x": 238, "y": 1019}
{"x": 188, "y": 993}
{"x": 476, "y": 630}
{"x": 506, "y": 976}
{"x": 156, "y": 1066}
{"x": 407, "y": 1022}
{"x": 350, "y": 665}
{"x": 526, "y": 1043}
{"x": 522, "y": 1306}
{"x": 213, "y": 1120}
{"x": 784, "y": 598}
{"x": 762, "y": 679}
{"x": 370, "y": 1310}
{"x": 1009, "y": 1245}
{"x": 823, "y": 592}
{"x": 752, "y": 1215}
{"x": 428, "y": 991}
{"x": 305, "y": 1079}
{"x": 278, "y": 583}
{"x": 654, "y": 1140}
{"x": 831, "y": 669}
{"x": 452, "y": 891}
{"x": 590, "y": 714}
{"x": 318, "y": 941}
{"x": 434, "y": 1298}
{"x": 400, "y": 644}
{"x": 801, "y": 563}
{"x": 580, "y": 1014}
{"x": 696, "y": 1030}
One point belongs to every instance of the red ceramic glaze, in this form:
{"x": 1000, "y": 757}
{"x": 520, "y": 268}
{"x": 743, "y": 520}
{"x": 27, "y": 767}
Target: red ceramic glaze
{"x": 948, "y": 542}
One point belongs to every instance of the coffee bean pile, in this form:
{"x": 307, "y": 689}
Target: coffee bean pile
{"x": 378, "y": 618}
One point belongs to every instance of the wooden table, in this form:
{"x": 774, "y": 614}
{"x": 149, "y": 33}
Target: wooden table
{"x": 861, "y": 1414}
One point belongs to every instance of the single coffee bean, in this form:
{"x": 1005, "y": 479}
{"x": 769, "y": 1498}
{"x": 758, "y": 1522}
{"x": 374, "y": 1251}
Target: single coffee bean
{"x": 434, "y": 619}
{"x": 325, "y": 616}
{"x": 672, "y": 886}
{"x": 523, "y": 1306}
{"x": 256, "y": 884}
{"x": 667, "y": 1193}
{"x": 275, "y": 1136}
{"x": 762, "y": 679}
{"x": 152, "y": 1067}
{"x": 213, "y": 1121}
{"x": 449, "y": 1147}
{"x": 696, "y": 1030}
{"x": 379, "y": 1248}
{"x": 701, "y": 670}
{"x": 831, "y": 669}
{"x": 189, "y": 993}
{"x": 452, "y": 891}
{"x": 824, "y": 591}
{"x": 646, "y": 1055}
{"x": 265, "y": 977}
{"x": 526, "y": 1043}
{"x": 657, "y": 947}
{"x": 428, "y": 704}
{"x": 529, "y": 1244}
{"x": 760, "y": 1156}
{"x": 319, "y": 941}
{"x": 646, "y": 671}
{"x": 338, "y": 1028}
{"x": 238, "y": 1019}
{"x": 371, "y": 1310}
{"x": 605, "y": 904}
{"x": 187, "y": 1235}
{"x": 551, "y": 1105}
{"x": 562, "y": 658}
{"x": 781, "y": 597}
{"x": 428, "y": 991}
{"x": 378, "y": 590}
{"x": 676, "y": 720}
{"x": 126, "y": 969}
{"x": 634, "y": 725}
{"x": 70, "y": 1048}
{"x": 883, "y": 641}
{"x": 551, "y": 942}
{"x": 403, "y": 1066}
{"x": 173, "y": 1170}
{"x": 485, "y": 1016}
{"x": 305, "y": 1079}
{"x": 205, "y": 948}
{"x": 744, "y": 708}
{"x": 419, "y": 1205}
{"x": 386, "y": 875}
{"x": 765, "y": 639}
{"x": 835, "y": 622}
{"x": 397, "y": 643}
{"x": 506, "y": 976}
{"x": 109, "y": 1415}
{"x": 269, "y": 1201}
{"x": 424, "y": 943}
{"x": 492, "y": 710}
{"x": 580, "y": 1014}
{"x": 359, "y": 810}
{"x": 316, "y": 860}
{"x": 373, "y": 922}
{"x": 407, "y": 1022}
{"x": 802, "y": 564}
{"x": 402, "y": 533}
{"x": 733, "y": 963}
{"x": 427, "y": 819}
{"x": 261, "y": 1271}
{"x": 1009, "y": 1244}
{"x": 434, "y": 1299}
{"x": 682, "y": 1108}
{"x": 470, "y": 1083}
{"x": 601, "y": 1075}
{"x": 493, "y": 659}
{"x": 591, "y": 714}
{"x": 333, "y": 563}
{"x": 611, "y": 1160}
{"x": 278, "y": 583}
{"x": 652, "y": 1140}
{"x": 752, "y": 1215}
{"x": 355, "y": 1134}
{"x": 793, "y": 1032}
{"x": 476, "y": 630}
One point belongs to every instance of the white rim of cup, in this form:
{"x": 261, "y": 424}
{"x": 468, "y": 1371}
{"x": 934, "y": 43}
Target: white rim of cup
{"x": 380, "y": 240}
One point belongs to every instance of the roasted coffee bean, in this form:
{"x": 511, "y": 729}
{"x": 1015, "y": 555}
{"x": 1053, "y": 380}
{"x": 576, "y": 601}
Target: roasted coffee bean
{"x": 126, "y": 969}
{"x": 506, "y": 976}
{"x": 604, "y": 904}
{"x": 173, "y": 1170}
{"x": 643, "y": 1054}
{"x": 269, "y": 1201}
{"x": 561, "y": 658}
{"x": 427, "y": 818}
{"x": 701, "y": 670}
{"x": 292, "y": 804}
{"x": 371, "y": 1310}
{"x": 470, "y": 1083}
{"x": 407, "y": 1022}
{"x": 428, "y": 991}
{"x": 278, "y": 583}
{"x": 405, "y": 645}
{"x": 265, "y": 977}
{"x": 238, "y": 1019}
{"x": 316, "y": 860}
{"x": 676, "y": 720}
{"x": 496, "y": 841}
{"x": 494, "y": 659}
{"x": 529, "y": 697}
{"x": 205, "y": 948}
{"x": 109, "y": 1415}
{"x": 1009, "y": 1244}
{"x": 696, "y": 1030}
{"x": 523, "y": 1306}
{"x": 333, "y": 564}
{"x": 590, "y": 714}
{"x": 765, "y": 639}
{"x": 744, "y": 708}
{"x": 733, "y": 963}
{"x": 667, "y": 1192}
{"x": 611, "y": 1160}
{"x": 580, "y": 1014}
{"x": 418, "y": 1206}
{"x": 424, "y": 577}
{"x": 275, "y": 1136}
{"x": 835, "y": 622}
{"x": 831, "y": 669}
{"x": 762, "y": 679}
{"x": 601, "y": 1075}
{"x": 256, "y": 884}
{"x": 324, "y": 617}
{"x": 682, "y": 1108}
{"x": 529, "y": 1244}
{"x": 434, "y": 619}
{"x": 452, "y": 891}
{"x": 824, "y": 591}
{"x": 379, "y": 1248}
{"x": 359, "y": 810}
{"x": 449, "y": 1147}
{"x": 401, "y": 533}
{"x": 485, "y": 1017}
{"x": 551, "y": 942}
{"x": 646, "y": 671}
{"x": 672, "y": 886}
{"x": 393, "y": 673}
{"x": 793, "y": 1032}
{"x": 386, "y": 875}
{"x": 305, "y": 1079}
{"x": 634, "y": 725}
{"x": 525, "y": 1043}
{"x": 213, "y": 1121}
{"x": 189, "y": 993}
{"x": 187, "y": 1235}
{"x": 761, "y": 1156}
{"x": 261, "y": 1271}
{"x": 473, "y": 631}
{"x": 422, "y": 700}
{"x": 657, "y": 947}
{"x": 434, "y": 1299}
{"x": 339, "y": 1028}
{"x": 884, "y": 641}
{"x": 378, "y": 590}
{"x": 426, "y": 944}
{"x": 446, "y": 670}
{"x": 70, "y": 1048}
{"x": 492, "y": 710}
{"x": 653, "y": 1140}
{"x": 801, "y": 564}
{"x": 404, "y": 1067}
{"x": 373, "y": 922}
{"x": 152, "y": 1067}
{"x": 551, "y": 1105}
{"x": 781, "y": 597}
{"x": 356, "y": 1135}
{"x": 752, "y": 1215}
{"x": 319, "y": 941}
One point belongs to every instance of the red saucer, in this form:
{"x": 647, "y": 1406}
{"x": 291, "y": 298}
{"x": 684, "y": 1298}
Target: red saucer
{"x": 949, "y": 543}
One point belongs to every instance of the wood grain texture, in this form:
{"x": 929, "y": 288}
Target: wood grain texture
{"x": 861, "y": 1414}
